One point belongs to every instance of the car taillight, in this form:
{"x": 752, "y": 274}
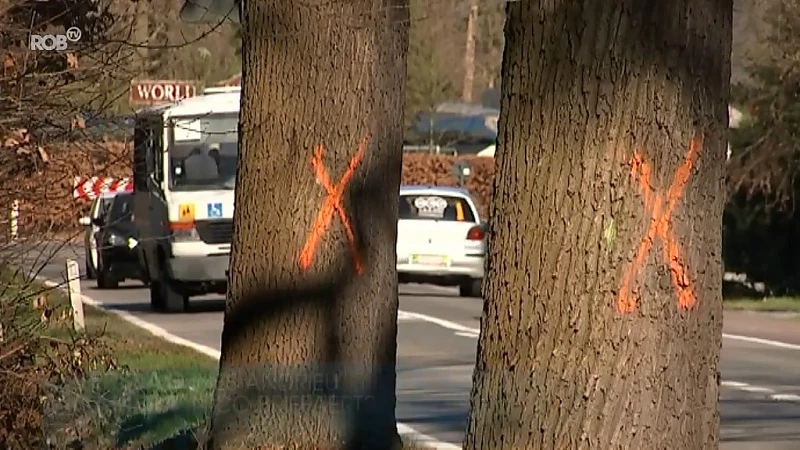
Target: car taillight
{"x": 475, "y": 234}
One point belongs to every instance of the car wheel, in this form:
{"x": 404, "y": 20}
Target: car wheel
{"x": 90, "y": 273}
{"x": 106, "y": 280}
{"x": 471, "y": 288}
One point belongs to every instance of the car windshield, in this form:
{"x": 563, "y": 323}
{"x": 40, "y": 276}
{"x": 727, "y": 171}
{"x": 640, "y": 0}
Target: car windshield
{"x": 102, "y": 209}
{"x": 435, "y": 207}
{"x": 203, "y": 152}
{"x": 121, "y": 209}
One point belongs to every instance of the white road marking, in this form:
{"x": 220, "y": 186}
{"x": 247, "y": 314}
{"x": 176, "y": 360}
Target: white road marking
{"x": 733, "y": 384}
{"x": 786, "y": 398}
{"x": 468, "y": 334}
{"x": 465, "y": 331}
{"x": 423, "y": 439}
{"x": 474, "y": 333}
{"x": 757, "y": 389}
{"x": 771, "y": 394}
{"x": 755, "y": 340}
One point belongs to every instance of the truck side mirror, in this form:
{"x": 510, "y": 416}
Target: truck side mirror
{"x": 85, "y": 221}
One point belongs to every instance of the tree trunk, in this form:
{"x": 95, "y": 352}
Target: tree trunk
{"x": 309, "y": 339}
{"x": 603, "y": 316}
{"x": 469, "y": 54}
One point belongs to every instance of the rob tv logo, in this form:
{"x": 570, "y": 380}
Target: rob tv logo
{"x": 58, "y": 42}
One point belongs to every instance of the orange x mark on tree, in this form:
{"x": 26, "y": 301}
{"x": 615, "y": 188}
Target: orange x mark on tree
{"x": 660, "y": 206}
{"x": 331, "y": 205}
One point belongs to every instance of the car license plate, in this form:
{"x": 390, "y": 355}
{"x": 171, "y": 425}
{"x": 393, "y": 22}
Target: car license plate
{"x": 430, "y": 260}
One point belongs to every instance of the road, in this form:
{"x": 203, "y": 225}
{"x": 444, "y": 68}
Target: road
{"x": 437, "y": 341}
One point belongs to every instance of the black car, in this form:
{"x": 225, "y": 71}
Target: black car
{"x": 117, "y": 244}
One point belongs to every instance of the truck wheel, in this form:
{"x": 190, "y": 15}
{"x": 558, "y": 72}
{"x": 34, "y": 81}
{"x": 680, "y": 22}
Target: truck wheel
{"x": 156, "y": 302}
{"x": 471, "y": 288}
{"x": 167, "y": 295}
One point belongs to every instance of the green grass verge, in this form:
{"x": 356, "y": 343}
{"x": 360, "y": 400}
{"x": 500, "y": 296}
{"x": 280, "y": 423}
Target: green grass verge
{"x": 159, "y": 395}
{"x": 768, "y": 304}
{"x": 154, "y": 390}
{"x": 162, "y": 390}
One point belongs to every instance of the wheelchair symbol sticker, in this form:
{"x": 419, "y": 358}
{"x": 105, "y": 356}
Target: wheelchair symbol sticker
{"x": 215, "y": 210}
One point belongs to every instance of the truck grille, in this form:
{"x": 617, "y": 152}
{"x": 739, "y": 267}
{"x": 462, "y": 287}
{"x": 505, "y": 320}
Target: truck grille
{"x": 215, "y": 231}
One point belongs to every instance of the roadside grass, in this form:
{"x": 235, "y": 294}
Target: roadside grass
{"x": 152, "y": 394}
{"x": 159, "y": 390}
{"x": 743, "y": 296}
{"x": 147, "y": 389}
{"x": 766, "y": 304}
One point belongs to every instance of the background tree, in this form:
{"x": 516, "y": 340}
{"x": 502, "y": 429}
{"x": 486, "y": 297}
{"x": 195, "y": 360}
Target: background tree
{"x": 309, "y": 338}
{"x": 761, "y": 218}
{"x": 435, "y": 56}
{"x": 602, "y": 319}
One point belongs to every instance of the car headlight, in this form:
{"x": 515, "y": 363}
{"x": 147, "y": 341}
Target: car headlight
{"x": 117, "y": 241}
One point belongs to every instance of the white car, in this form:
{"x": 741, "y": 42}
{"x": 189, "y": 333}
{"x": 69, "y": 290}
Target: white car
{"x": 440, "y": 238}
{"x": 97, "y": 210}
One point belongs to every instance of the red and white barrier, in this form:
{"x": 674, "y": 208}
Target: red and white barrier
{"x": 89, "y": 188}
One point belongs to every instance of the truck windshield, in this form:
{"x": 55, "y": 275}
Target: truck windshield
{"x": 203, "y": 151}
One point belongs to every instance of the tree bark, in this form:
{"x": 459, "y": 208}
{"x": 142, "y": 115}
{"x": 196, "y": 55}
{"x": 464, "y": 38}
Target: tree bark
{"x": 603, "y": 315}
{"x": 309, "y": 343}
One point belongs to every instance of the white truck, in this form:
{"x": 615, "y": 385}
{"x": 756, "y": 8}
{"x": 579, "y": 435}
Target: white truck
{"x": 184, "y": 171}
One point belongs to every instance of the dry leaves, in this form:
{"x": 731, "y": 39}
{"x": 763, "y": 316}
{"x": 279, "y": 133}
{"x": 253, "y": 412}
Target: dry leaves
{"x": 17, "y": 138}
{"x": 72, "y": 60}
{"x": 20, "y": 140}
{"x": 40, "y": 302}
{"x": 78, "y": 123}
{"x": 8, "y": 64}
{"x": 437, "y": 170}
{"x": 42, "y": 154}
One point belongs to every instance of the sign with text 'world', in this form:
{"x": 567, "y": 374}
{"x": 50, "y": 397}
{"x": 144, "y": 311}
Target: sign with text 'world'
{"x": 157, "y": 92}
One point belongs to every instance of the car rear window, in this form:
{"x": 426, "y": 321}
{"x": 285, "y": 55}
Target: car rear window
{"x": 435, "y": 207}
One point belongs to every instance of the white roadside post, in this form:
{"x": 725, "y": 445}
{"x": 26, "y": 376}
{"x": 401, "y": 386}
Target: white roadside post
{"x": 13, "y": 215}
{"x": 75, "y": 298}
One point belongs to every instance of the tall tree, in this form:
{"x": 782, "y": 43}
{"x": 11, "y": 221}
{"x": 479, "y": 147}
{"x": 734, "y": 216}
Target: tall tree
{"x": 602, "y": 321}
{"x": 309, "y": 338}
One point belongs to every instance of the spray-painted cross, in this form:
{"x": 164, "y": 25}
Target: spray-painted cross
{"x": 660, "y": 206}
{"x": 331, "y": 205}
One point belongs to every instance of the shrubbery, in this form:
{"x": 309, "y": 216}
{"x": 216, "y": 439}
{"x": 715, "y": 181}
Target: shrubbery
{"x": 36, "y": 356}
{"x": 762, "y": 224}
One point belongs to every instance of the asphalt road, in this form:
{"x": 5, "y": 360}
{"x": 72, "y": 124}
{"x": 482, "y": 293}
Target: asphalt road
{"x": 436, "y": 351}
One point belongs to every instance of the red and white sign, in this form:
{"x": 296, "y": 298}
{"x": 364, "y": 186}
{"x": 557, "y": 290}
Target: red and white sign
{"x": 157, "y": 92}
{"x": 89, "y": 188}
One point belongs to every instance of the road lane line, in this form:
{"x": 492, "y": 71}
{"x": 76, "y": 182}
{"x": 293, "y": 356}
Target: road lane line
{"x": 786, "y": 398}
{"x": 733, "y": 384}
{"x": 465, "y": 331}
{"x": 424, "y": 439}
{"x": 403, "y": 430}
{"x": 468, "y": 334}
{"x": 755, "y": 340}
{"x": 757, "y": 389}
{"x": 441, "y": 322}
